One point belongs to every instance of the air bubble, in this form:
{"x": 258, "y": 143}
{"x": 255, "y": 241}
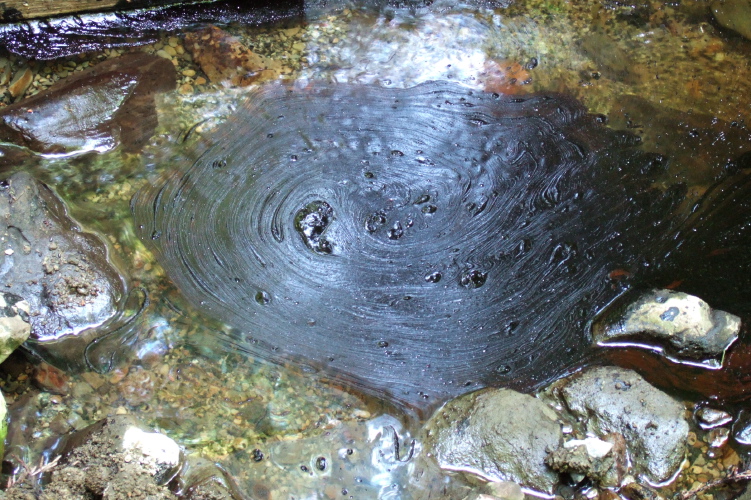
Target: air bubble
{"x": 433, "y": 277}
{"x": 321, "y": 463}
{"x": 311, "y": 222}
{"x": 396, "y": 231}
{"x": 429, "y": 209}
{"x": 375, "y": 221}
{"x": 263, "y": 298}
{"x": 383, "y": 343}
{"x": 474, "y": 279}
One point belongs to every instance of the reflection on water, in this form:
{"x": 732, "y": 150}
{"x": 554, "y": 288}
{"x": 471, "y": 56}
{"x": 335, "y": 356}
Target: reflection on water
{"x": 281, "y": 432}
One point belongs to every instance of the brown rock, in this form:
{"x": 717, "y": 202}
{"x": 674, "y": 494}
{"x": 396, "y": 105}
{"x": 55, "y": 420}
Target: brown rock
{"x": 21, "y": 81}
{"x": 224, "y": 59}
{"x": 4, "y": 71}
{"x": 51, "y": 379}
{"x": 95, "y": 109}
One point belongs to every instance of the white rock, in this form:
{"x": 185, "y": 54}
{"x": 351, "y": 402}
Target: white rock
{"x": 156, "y": 452}
{"x": 596, "y": 448}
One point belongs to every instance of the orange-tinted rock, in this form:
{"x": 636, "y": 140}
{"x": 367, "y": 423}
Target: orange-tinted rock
{"x": 225, "y": 59}
{"x": 505, "y": 77}
{"x": 51, "y": 379}
{"x": 95, "y": 110}
{"x": 20, "y": 83}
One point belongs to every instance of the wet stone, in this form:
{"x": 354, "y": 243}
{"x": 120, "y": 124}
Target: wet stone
{"x": 93, "y": 110}
{"x": 14, "y": 323}
{"x": 616, "y": 400}
{"x": 602, "y": 461}
{"x": 225, "y": 59}
{"x": 742, "y": 427}
{"x": 681, "y": 324}
{"x": 709, "y": 418}
{"x": 497, "y": 434}
{"x": 734, "y": 15}
{"x": 20, "y": 82}
{"x": 70, "y": 289}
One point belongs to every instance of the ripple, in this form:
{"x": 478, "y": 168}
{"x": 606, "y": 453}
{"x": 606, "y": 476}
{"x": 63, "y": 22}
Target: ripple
{"x": 413, "y": 225}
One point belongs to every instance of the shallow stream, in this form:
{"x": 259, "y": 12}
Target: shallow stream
{"x": 665, "y": 71}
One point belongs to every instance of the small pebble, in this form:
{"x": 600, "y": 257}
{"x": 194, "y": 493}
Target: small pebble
{"x": 164, "y": 54}
{"x": 121, "y": 410}
{"x": 718, "y": 437}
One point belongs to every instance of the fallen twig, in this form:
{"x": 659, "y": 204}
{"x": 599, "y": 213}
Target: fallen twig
{"x": 27, "y": 472}
{"x": 733, "y": 476}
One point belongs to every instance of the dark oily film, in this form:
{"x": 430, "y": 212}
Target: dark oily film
{"x": 413, "y": 250}
{"x": 421, "y": 242}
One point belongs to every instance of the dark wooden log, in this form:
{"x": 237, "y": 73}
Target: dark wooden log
{"x": 16, "y": 10}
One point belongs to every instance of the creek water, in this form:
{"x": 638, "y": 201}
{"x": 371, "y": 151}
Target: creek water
{"x": 665, "y": 72}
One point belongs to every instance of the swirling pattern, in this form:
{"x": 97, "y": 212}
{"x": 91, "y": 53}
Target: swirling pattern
{"x": 418, "y": 242}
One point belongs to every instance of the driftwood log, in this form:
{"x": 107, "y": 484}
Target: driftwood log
{"x": 16, "y": 10}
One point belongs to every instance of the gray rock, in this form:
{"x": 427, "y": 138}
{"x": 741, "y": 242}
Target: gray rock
{"x": 62, "y": 272}
{"x": 603, "y": 461}
{"x": 123, "y": 440}
{"x": 498, "y": 434}
{"x": 14, "y": 323}
{"x": 616, "y": 400}
{"x": 734, "y": 15}
{"x": 682, "y": 325}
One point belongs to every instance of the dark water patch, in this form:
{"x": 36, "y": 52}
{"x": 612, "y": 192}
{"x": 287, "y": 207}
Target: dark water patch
{"x": 564, "y": 215}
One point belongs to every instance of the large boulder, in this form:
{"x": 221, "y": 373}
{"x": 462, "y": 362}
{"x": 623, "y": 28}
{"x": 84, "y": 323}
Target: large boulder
{"x": 611, "y": 400}
{"x": 498, "y": 434}
{"x": 94, "y": 110}
{"x": 61, "y": 271}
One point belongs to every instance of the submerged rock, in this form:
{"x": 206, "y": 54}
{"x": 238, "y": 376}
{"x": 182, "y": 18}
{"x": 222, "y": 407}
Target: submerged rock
{"x": 614, "y": 400}
{"x": 420, "y": 243}
{"x": 681, "y": 324}
{"x": 62, "y": 272}
{"x": 225, "y": 59}
{"x": 734, "y": 15}
{"x": 498, "y": 434}
{"x": 93, "y": 110}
